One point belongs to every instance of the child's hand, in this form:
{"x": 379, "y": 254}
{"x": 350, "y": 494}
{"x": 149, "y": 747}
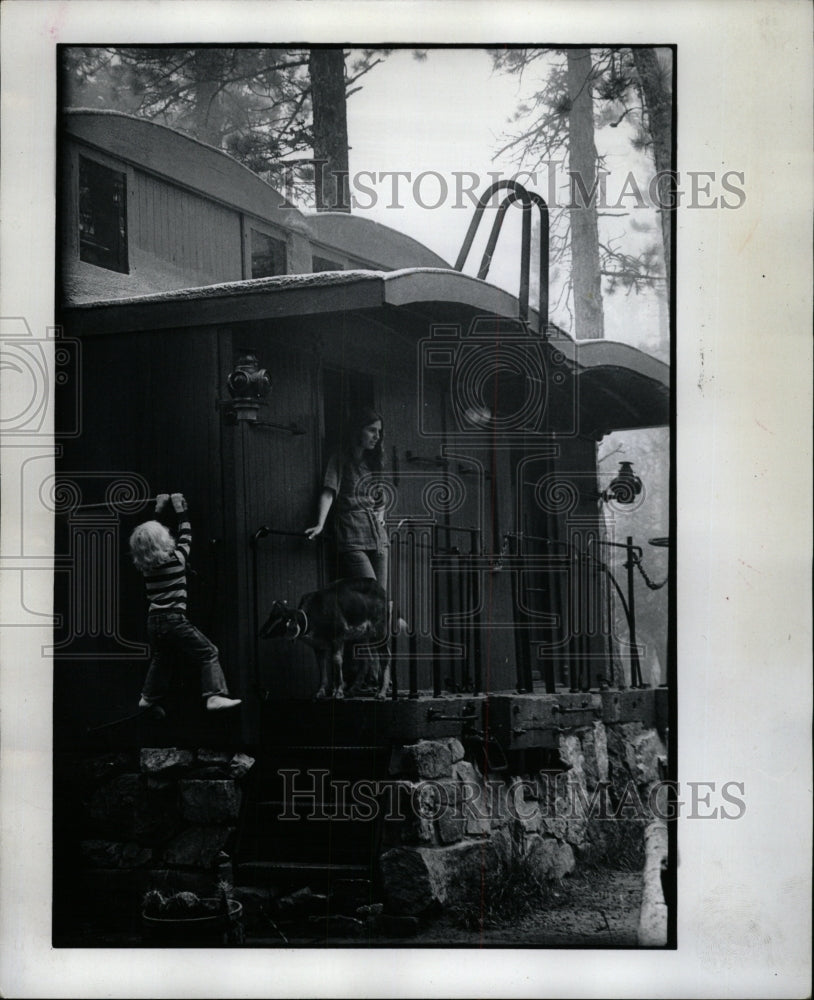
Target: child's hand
{"x": 161, "y": 502}
{"x": 179, "y": 504}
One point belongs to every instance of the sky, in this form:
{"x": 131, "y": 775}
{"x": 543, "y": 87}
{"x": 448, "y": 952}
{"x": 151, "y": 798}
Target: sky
{"x": 447, "y": 113}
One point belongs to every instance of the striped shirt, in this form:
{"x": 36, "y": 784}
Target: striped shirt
{"x": 167, "y": 583}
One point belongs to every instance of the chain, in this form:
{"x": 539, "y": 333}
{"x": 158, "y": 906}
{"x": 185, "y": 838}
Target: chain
{"x": 653, "y": 586}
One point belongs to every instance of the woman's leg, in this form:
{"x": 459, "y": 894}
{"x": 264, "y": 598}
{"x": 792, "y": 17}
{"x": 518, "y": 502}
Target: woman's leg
{"x": 356, "y": 564}
{"x": 380, "y": 563}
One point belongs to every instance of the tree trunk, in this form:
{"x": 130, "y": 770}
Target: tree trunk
{"x": 659, "y": 105}
{"x": 330, "y": 129}
{"x": 207, "y": 67}
{"x": 585, "y": 276}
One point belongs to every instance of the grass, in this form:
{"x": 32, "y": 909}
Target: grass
{"x": 506, "y": 894}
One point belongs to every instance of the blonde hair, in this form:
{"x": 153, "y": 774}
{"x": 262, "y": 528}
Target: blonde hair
{"x": 151, "y": 545}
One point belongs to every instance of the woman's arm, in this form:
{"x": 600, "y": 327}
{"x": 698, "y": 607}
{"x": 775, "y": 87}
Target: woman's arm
{"x": 326, "y": 499}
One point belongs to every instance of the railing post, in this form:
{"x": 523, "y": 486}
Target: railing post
{"x": 413, "y": 644}
{"x": 635, "y": 667}
{"x": 475, "y": 551}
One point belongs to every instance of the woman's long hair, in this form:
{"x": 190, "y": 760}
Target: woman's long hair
{"x": 358, "y": 420}
{"x": 151, "y": 545}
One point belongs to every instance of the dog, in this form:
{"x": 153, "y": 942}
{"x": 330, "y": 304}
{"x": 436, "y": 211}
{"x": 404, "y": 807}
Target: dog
{"x": 348, "y": 610}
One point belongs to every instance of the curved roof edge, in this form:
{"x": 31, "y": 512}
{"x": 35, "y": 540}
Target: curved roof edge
{"x": 159, "y": 150}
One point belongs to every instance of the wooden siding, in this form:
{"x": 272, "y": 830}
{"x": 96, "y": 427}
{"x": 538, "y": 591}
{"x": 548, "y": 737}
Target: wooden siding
{"x": 193, "y": 234}
{"x": 148, "y": 411}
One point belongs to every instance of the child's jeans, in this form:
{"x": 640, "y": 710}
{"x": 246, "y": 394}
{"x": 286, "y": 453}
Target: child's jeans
{"x": 173, "y": 638}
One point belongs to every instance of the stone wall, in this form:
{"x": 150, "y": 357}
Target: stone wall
{"x": 448, "y": 823}
{"x": 152, "y": 818}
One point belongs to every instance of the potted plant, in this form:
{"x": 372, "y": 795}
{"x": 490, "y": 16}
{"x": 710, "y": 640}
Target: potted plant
{"x": 185, "y": 919}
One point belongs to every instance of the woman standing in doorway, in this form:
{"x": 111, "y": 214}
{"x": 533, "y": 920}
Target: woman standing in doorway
{"x": 360, "y": 533}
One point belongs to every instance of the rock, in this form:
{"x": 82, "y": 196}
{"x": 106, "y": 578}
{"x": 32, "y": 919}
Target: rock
{"x": 95, "y": 770}
{"x": 601, "y": 751}
{"x": 209, "y": 802}
{"x": 503, "y": 845}
{"x": 111, "y": 854}
{"x": 450, "y": 826}
{"x": 198, "y": 847}
{"x": 456, "y": 749}
{"x": 417, "y": 879}
{"x": 429, "y": 759}
{"x": 540, "y": 854}
{"x": 530, "y": 820}
{"x": 112, "y": 807}
{"x": 571, "y": 751}
{"x": 125, "y": 809}
{"x": 213, "y": 772}
{"x": 240, "y": 765}
{"x": 477, "y": 824}
{"x": 157, "y": 759}
{"x": 647, "y": 750}
{"x": 549, "y": 858}
{"x": 467, "y": 773}
{"x": 158, "y": 783}
{"x": 498, "y": 799}
{"x": 564, "y": 861}
{"x": 338, "y": 926}
{"x": 208, "y": 757}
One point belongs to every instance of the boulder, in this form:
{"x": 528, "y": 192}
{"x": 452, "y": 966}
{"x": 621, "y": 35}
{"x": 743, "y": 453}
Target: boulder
{"x": 417, "y": 879}
{"x": 197, "y": 847}
{"x": 549, "y": 858}
{"x": 154, "y": 760}
{"x": 240, "y": 765}
{"x": 112, "y": 807}
{"x": 209, "y": 802}
{"x": 210, "y": 757}
{"x": 428, "y": 759}
{"x": 112, "y": 854}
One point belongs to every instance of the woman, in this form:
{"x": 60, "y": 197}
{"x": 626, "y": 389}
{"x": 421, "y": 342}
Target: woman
{"x": 361, "y": 535}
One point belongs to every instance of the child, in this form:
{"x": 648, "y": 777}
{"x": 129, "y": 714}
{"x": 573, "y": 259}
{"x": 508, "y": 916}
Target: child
{"x": 163, "y": 562}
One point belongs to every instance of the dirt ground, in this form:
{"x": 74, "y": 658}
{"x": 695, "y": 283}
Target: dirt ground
{"x": 587, "y": 910}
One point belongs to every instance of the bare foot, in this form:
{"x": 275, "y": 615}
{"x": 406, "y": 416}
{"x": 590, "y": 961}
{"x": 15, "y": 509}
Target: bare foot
{"x": 321, "y": 694}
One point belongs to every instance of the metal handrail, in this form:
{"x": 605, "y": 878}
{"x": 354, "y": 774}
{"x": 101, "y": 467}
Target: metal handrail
{"x": 528, "y": 199}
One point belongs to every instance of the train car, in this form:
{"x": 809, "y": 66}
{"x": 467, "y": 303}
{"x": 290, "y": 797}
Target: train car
{"x": 183, "y": 276}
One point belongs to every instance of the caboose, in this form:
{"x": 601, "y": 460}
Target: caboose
{"x": 180, "y": 268}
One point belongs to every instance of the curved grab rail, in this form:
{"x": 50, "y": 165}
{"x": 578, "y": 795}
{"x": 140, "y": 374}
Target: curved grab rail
{"x": 528, "y": 199}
